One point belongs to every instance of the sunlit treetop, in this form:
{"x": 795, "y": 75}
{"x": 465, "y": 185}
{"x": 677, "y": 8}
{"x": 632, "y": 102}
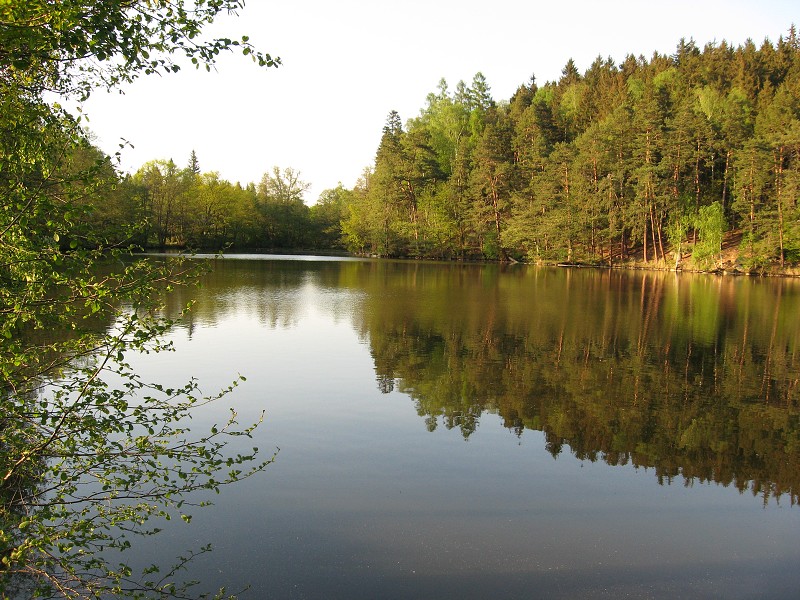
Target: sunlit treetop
{"x": 74, "y": 46}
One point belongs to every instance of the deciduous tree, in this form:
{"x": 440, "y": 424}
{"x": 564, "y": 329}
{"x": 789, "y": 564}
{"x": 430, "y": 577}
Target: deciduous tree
{"x": 87, "y": 465}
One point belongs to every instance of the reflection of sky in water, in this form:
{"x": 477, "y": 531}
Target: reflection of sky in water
{"x": 279, "y": 307}
{"x": 364, "y": 502}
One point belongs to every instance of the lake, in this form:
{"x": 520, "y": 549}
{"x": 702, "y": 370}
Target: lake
{"x": 452, "y": 430}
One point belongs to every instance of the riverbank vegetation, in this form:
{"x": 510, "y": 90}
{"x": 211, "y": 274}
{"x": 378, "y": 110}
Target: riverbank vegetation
{"x": 656, "y": 160}
{"x": 689, "y": 160}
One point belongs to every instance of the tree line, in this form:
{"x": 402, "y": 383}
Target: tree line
{"x": 656, "y": 160}
{"x": 163, "y": 205}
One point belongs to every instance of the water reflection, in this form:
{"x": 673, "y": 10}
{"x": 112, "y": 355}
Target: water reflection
{"x": 276, "y": 292}
{"x": 691, "y": 376}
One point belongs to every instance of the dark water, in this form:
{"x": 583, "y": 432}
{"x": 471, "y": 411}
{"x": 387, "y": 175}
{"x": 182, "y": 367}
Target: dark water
{"x": 474, "y": 431}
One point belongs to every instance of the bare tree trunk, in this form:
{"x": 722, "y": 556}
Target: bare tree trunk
{"x": 644, "y": 240}
{"x": 725, "y": 179}
{"x": 696, "y": 187}
{"x": 779, "y": 199}
{"x": 751, "y": 193}
{"x": 610, "y": 229}
{"x": 653, "y": 234}
{"x": 660, "y": 239}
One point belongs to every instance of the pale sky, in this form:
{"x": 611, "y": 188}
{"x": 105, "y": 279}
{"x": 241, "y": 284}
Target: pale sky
{"x": 347, "y": 64}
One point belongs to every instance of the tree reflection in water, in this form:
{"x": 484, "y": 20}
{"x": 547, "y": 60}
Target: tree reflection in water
{"x": 691, "y": 376}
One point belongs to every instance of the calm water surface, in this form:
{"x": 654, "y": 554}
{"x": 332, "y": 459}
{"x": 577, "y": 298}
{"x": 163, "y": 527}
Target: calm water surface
{"x": 474, "y": 431}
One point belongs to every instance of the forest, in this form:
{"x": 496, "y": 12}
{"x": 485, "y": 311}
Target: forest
{"x": 663, "y": 162}
{"x": 657, "y": 160}
{"x": 164, "y": 206}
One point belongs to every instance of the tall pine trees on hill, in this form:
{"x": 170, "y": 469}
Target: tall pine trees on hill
{"x": 654, "y": 160}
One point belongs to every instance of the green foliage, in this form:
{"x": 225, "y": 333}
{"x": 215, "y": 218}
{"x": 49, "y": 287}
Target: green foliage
{"x": 603, "y": 167}
{"x": 183, "y": 208}
{"x": 75, "y": 46}
{"x": 90, "y": 454}
{"x": 99, "y": 463}
{"x": 283, "y": 219}
{"x": 710, "y": 224}
{"x": 327, "y": 215}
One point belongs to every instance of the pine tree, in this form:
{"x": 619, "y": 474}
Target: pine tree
{"x": 194, "y": 165}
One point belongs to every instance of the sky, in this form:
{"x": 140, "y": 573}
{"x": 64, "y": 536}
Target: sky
{"x": 347, "y": 64}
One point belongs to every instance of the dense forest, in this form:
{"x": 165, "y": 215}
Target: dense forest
{"x": 163, "y": 205}
{"x": 650, "y": 159}
{"x": 664, "y": 162}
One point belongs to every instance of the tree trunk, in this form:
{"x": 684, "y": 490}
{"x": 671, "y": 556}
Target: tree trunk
{"x": 696, "y": 187}
{"x": 653, "y": 235}
{"x": 751, "y": 193}
{"x": 725, "y": 179}
{"x": 779, "y": 199}
{"x": 644, "y": 240}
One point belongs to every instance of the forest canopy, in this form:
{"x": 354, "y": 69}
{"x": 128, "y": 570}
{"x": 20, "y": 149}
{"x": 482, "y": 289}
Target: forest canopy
{"x": 656, "y": 160}
{"x": 687, "y": 160}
